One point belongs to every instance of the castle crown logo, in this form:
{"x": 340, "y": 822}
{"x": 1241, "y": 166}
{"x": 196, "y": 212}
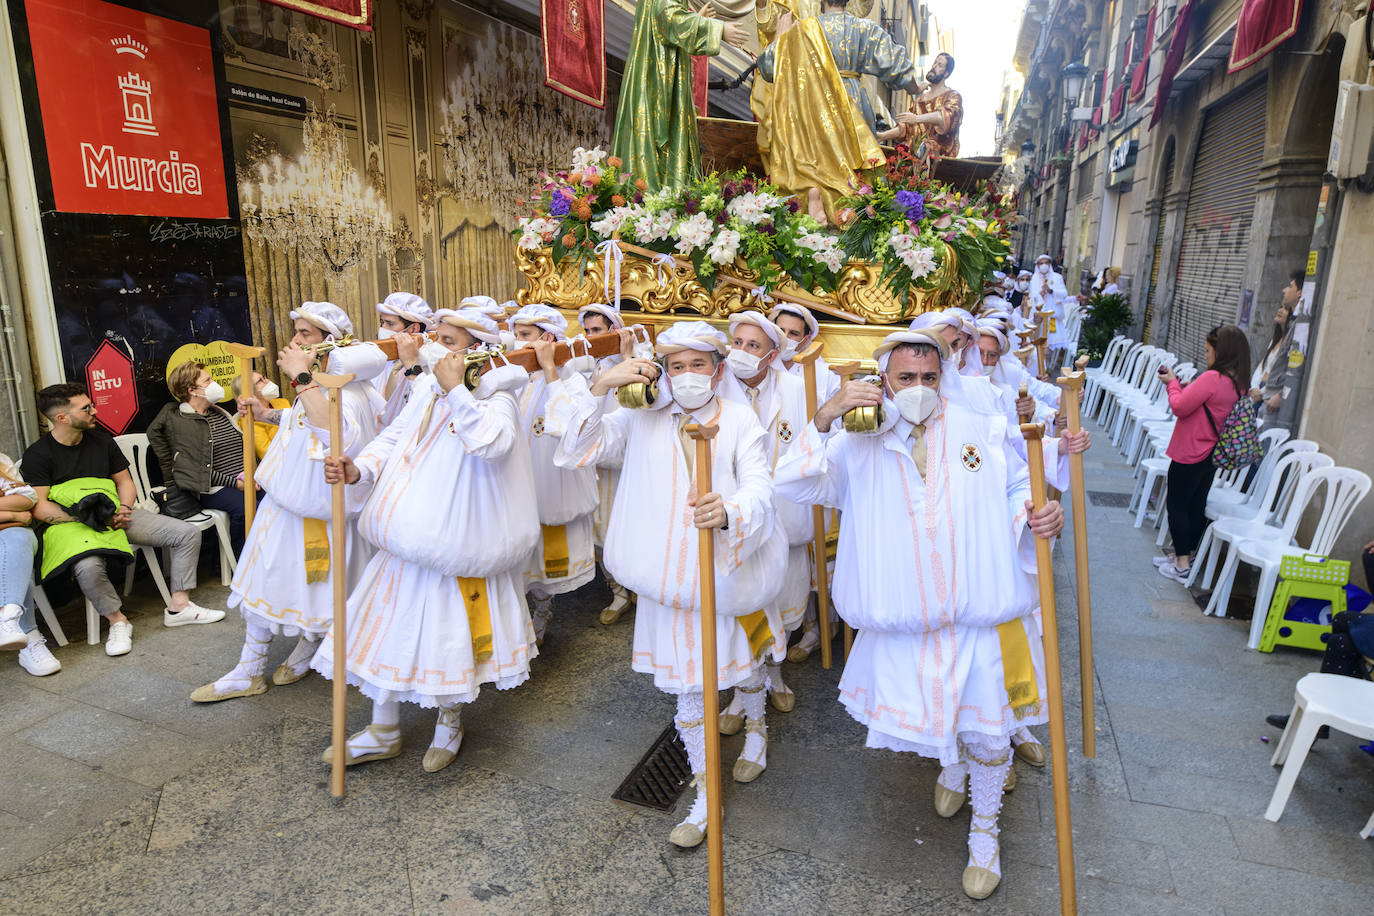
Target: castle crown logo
{"x": 130, "y": 45}
{"x": 136, "y": 91}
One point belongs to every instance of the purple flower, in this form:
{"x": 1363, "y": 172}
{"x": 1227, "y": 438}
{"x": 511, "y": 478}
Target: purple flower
{"x": 559, "y": 206}
{"x": 638, "y": 198}
{"x": 793, "y": 206}
{"x": 767, "y": 228}
{"x": 913, "y": 203}
{"x": 690, "y": 205}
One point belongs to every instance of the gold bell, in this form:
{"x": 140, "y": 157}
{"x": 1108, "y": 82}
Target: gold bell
{"x": 637, "y": 394}
{"x": 865, "y": 419}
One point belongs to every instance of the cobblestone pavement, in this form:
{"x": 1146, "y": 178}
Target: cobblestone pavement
{"x": 119, "y": 795}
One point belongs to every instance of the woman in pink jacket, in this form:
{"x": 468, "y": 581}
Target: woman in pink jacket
{"x": 1201, "y": 408}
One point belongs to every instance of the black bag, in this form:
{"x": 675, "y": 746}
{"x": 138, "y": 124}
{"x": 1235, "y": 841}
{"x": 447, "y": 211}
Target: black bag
{"x": 176, "y": 502}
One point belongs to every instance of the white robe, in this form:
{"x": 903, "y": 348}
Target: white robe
{"x": 782, "y": 413}
{"x": 652, "y": 545}
{"x": 401, "y": 387}
{"x": 927, "y": 569}
{"x": 566, "y": 497}
{"x": 827, "y": 382}
{"x": 1055, "y": 299}
{"x": 269, "y": 584}
{"x": 446, "y": 492}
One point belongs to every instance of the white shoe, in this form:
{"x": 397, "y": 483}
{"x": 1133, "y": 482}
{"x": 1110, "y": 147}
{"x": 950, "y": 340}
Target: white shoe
{"x": 121, "y": 638}
{"x": 36, "y": 659}
{"x": 1161, "y": 561}
{"x": 192, "y": 613}
{"x": 12, "y": 636}
{"x": 1171, "y": 571}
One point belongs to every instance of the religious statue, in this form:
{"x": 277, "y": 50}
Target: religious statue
{"x": 656, "y": 124}
{"x": 935, "y": 115}
{"x": 817, "y": 131}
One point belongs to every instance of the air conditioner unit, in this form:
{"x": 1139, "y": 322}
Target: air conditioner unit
{"x": 1352, "y": 133}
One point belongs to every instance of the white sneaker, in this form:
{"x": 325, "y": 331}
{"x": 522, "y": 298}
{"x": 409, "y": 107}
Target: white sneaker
{"x": 11, "y": 634}
{"x": 192, "y": 613}
{"x": 1161, "y": 561}
{"x": 121, "y": 638}
{"x": 1171, "y": 571}
{"x": 36, "y": 658}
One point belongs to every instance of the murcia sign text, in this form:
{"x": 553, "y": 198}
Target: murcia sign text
{"x": 130, "y": 113}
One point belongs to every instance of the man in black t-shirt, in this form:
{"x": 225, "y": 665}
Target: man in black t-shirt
{"x": 74, "y": 448}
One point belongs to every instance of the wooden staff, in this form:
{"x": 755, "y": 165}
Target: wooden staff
{"x": 847, "y": 371}
{"x": 338, "y": 523}
{"x": 1059, "y": 755}
{"x": 706, "y": 561}
{"x": 1041, "y": 338}
{"x": 246, "y": 355}
{"x": 1071, "y": 383}
{"x": 807, "y": 361}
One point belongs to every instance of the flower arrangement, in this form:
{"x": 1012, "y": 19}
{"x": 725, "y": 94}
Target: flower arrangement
{"x": 907, "y": 222}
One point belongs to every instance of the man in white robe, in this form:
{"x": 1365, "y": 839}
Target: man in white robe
{"x": 283, "y": 583}
{"x": 652, "y": 543}
{"x": 1047, "y": 291}
{"x": 936, "y": 570}
{"x": 402, "y": 317}
{"x": 447, "y": 499}
{"x": 777, "y": 399}
{"x": 565, "y": 559}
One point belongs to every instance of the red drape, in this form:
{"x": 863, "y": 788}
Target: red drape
{"x": 355, "y": 14}
{"x": 575, "y": 49}
{"x": 1118, "y": 101}
{"x": 1172, "y": 61}
{"x": 1263, "y": 26}
{"x": 1139, "y": 78}
{"x": 701, "y": 77}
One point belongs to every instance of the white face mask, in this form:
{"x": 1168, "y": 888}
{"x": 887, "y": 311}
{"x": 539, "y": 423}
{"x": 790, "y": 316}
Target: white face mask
{"x": 916, "y": 403}
{"x": 518, "y": 344}
{"x": 214, "y": 392}
{"x": 431, "y": 353}
{"x": 691, "y": 390}
{"x": 1043, "y": 267}
{"x": 744, "y": 365}
{"x": 988, "y": 370}
{"x": 271, "y": 391}
{"x": 1023, "y": 285}
{"x": 385, "y": 333}
{"x": 789, "y": 349}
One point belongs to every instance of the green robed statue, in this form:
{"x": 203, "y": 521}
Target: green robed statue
{"x": 656, "y": 124}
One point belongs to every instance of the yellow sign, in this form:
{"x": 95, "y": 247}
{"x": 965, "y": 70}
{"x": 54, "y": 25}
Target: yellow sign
{"x": 1311, "y": 263}
{"x": 222, "y": 367}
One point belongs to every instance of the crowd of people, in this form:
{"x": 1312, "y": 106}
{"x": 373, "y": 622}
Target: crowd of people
{"x": 472, "y": 507}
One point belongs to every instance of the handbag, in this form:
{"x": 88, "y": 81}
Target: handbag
{"x": 1238, "y": 444}
{"x": 176, "y": 502}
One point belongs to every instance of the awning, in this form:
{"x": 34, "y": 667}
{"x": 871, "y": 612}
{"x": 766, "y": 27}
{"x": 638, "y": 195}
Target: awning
{"x": 1263, "y": 26}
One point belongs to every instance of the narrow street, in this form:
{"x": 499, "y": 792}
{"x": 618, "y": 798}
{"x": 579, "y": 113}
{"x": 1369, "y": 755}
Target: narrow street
{"x": 120, "y": 795}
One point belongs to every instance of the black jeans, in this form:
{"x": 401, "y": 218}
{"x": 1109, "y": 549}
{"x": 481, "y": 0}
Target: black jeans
{"x": 230, "y": 500}
{"x": 1189, "y": 485}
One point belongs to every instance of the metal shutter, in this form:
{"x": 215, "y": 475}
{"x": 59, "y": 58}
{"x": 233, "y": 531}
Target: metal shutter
{"x": 1087, "y": 178}
{"x": 1216, "y": 225}
{"x": 1160, "y": 228}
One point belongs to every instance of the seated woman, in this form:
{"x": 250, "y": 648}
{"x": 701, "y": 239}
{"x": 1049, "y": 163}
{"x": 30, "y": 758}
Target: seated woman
{"x": 199, "y": 446}
{"x": 18, "y": 630}
{"x": 269, "y": 393}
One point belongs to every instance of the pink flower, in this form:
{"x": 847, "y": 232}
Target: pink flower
{"x": 944, "y": 222}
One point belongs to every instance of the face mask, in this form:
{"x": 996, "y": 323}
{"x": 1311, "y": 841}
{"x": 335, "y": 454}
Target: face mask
{"x": 916, "y": 403}
{"x": 214, "y": 392}
{"x": 519, "y": 344}
{"x": 385, "y": 333}
{"x": 744, "y": 365}
{"x": 271, "y": 391}
{"x": 988, "y": 370}
{"x": 691, "y": 390}
{"x": 1023, "y": 285}
{"x": 1043, "y": 268}
{"x": 431, "y": 353}
{"x": 789, "y": 349}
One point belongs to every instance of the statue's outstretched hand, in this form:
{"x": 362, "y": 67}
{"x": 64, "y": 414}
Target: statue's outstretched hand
{"x": 734, "y": 35}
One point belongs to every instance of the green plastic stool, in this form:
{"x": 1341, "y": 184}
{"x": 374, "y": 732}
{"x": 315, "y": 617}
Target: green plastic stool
{"x": 1304, "y": 576}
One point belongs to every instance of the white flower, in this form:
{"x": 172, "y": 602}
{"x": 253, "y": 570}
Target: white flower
{"x": 612, "y": 220}
{"x": 900, "y": 242}
{"x": 650, "y": 227}
{"x": 920, "y": 261}
{"x": 537, "y": 232}
{"x": 693, "y": 233}
{"x": 724, "y": 248}
{"x": 752, "y": 209}
{"x": 586, "y": 158}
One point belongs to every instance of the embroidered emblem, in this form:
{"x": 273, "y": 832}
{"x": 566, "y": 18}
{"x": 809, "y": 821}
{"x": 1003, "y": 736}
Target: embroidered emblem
{"x": 452, "y": 430}
{"x": 538, "y": 428}
{"x": 970, "y": 456}
{"x": 785, "y": 431}
{"x": 300, "y": 420}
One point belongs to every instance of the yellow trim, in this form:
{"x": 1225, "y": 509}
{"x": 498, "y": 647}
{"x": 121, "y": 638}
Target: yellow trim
{"x": 756, "y": 627}
{"x": 479, "y": 616}
{"x": 555, "y": 551}
{"x": 1018, "y": 672}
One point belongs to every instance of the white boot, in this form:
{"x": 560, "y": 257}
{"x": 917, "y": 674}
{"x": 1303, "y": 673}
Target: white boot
{"x": 246, "y": 680}
{"x": 987, "y": 775}
{"x": 297, "y": 664}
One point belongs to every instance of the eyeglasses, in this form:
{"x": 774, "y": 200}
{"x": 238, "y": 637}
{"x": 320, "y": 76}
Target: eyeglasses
{"x": 88, "y": 408}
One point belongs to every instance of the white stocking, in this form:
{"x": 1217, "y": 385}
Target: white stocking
{"x": 954, "y": 776}
{"x": 756, "y": 732}
{"x": 448, "y": 730}
{"x": 252, "y": 660}
{"x": 1023, "y": 736}
{"x": 384, "y": 730}
{"x": 736, "y": 707}
{"x": 988, "y": 764}
{"x": 775, "y": 684}
{"x": 299, "y": 659}
{"x": 691, "y": 727}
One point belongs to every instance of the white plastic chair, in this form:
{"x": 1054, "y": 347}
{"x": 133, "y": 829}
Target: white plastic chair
{"x": 1110, "y": 384}
{"x": 1345, "y": 488}
{"x": 1093, "y": 375}
{"x": 1344, "y": 703}
{"x": 1153, "y": 471}
{"x": 1278, "y": 528}
{"x": 135, "y": 448}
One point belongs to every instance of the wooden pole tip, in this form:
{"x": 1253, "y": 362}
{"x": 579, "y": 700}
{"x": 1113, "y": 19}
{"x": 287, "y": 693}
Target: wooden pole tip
{"x": 705, "y": 431}
{"x": 324, "y": 380}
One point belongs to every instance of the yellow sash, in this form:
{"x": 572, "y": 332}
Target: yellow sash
{"x": 555, "y": 550}
{"x": 1018, "y": 673}
{"x": 756, "y": 628}
{"x": 832, "y": 537}
{"x": 479, "y": 616}
{"x": 316, "y": 551}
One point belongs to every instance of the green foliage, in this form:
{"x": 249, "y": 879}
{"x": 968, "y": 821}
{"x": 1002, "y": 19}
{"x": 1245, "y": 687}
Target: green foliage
{"x": 1103, "y": 317}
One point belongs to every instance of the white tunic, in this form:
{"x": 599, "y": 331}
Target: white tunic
{"x": 652, "y": 545}
{"x": 269, "y": 584}
{"x": 446, "y": 492}
{"x": 401, "y": 386}
{"x": 1049, "y": 292}
{"x": 566, "y": 497}
{"x": 827, "y": 382}
{"x": 927, "y": 569}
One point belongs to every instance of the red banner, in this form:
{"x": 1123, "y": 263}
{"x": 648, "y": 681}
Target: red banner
{"x": 111, "y": 387}
{"x": 356, "y": 14}
{"x": 1172, "y": 61}
{"x": 701, "y": 79}
{"x": 130, "y": 114}
{"x": 575, "y": 49}
{"x": 1263, "y": 25}
{"x": 1118, "y": 102}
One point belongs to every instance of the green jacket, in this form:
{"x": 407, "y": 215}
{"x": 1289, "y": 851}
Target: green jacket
{"x": 67, "y": 542}
{"x": 180, "y": 439}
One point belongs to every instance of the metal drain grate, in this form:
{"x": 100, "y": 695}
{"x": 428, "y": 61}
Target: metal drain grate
{"x": 660, "y": 776}
{"x": 1109, "y": 499}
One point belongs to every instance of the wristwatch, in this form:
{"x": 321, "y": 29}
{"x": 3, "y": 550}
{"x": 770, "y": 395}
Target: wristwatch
{"x": 414, "y": 370}
{"x": 302, "y": 378}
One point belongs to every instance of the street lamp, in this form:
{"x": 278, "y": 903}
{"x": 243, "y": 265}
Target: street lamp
{"x": 1074, "y": 75}
{"x": 1028, "y": 149}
